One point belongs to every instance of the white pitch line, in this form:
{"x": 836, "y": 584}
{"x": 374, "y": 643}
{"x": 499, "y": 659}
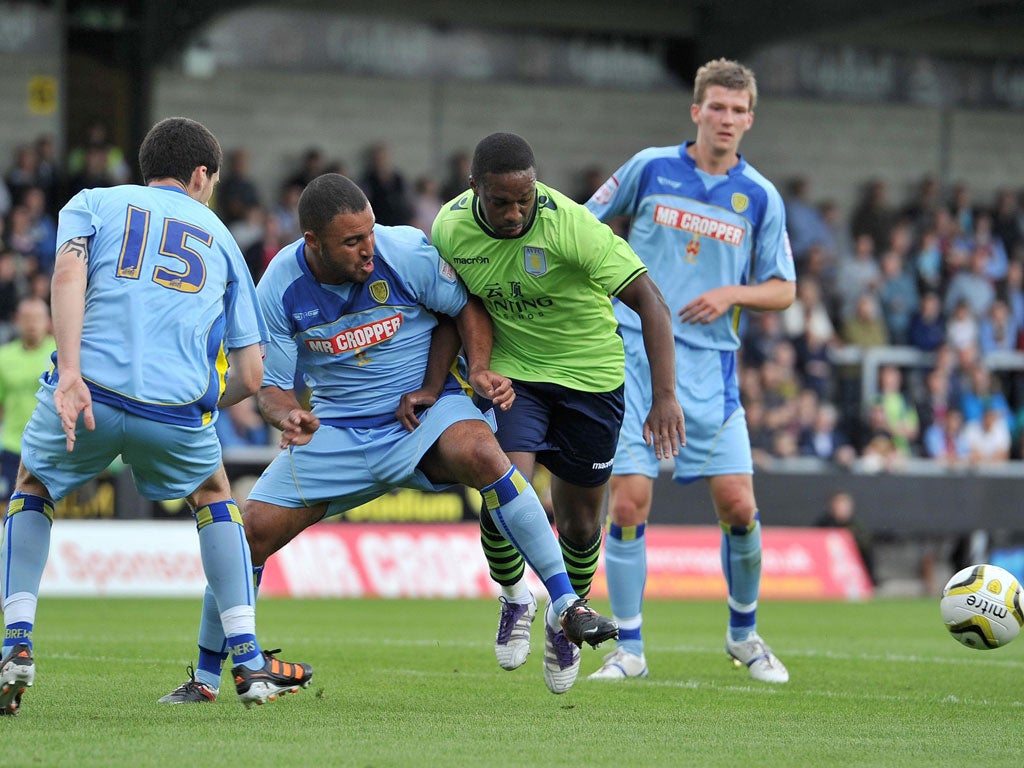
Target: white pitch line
{"x": 972, "y": 658}
{"x": 757, "y": 689}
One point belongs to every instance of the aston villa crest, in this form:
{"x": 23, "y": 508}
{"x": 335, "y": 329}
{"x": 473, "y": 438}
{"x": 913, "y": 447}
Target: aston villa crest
{"x": 379, "y": 291}
{"x": 535, "y": 261}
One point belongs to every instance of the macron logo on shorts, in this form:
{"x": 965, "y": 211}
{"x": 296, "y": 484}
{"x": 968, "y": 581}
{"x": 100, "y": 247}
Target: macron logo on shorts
{"x": 359, "y": 337}
{"x": 698, "y": 225}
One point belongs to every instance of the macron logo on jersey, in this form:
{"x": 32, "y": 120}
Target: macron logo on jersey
{"x": 698, "y": 225}
{"x": 359, "y": 337}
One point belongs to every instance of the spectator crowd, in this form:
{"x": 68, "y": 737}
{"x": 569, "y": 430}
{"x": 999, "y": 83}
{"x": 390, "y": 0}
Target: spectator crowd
{"x": 938, "y": 273}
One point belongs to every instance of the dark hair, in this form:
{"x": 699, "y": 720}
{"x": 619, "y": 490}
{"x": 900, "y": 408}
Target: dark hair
{"x": 175, "y": 147}
{"x": 325, "y": 197}
{"x": 501, "y": 153}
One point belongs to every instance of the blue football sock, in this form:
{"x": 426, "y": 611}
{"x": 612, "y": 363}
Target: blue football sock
{"x": 741, "y": 564}
{"x": 625, "y": 563}
{"x": 242, "y": 644}
{"x": 213, "y": 646}
{"x": 519, "y": 515}
{"x": 26, "y": 545}
{"x": 228, "y": 568}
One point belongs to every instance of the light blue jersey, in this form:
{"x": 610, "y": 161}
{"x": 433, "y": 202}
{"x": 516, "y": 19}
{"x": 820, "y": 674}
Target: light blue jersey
{"x": 359, "y": 347}
{"x": 155, "y": 253}
{"x": 695, "y": 232}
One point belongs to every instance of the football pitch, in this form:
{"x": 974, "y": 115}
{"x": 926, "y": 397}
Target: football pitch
{"x": 415, "y": 683}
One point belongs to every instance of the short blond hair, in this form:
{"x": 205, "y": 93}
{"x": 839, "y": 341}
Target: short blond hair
{"x": 727, "y": 74}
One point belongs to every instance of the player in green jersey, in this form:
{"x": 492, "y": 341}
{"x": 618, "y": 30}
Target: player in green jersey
{"x": 21, "y": 362}
{"x": 547, "y": 271}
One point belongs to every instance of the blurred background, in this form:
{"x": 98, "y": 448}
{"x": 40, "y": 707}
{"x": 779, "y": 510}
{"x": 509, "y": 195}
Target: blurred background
{"x": 888, "y": 400}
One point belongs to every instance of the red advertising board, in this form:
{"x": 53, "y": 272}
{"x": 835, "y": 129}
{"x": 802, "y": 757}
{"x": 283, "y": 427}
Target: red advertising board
{"x": 150, "y": 558}
{"x": 446, "y": 561}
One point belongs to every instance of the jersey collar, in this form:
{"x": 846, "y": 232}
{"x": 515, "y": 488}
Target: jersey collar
{"x": 482, "y": 222}
{"x": 738, "y": 168}
{"x": 170, "y": 188}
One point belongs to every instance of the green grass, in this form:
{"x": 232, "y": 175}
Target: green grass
{"x": 414, "y": 683}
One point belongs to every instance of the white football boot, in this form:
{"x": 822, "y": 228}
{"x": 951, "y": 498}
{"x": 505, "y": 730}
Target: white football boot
{"x": 620, "y": 664}
{"x": 512, "y": 642}
{"x": 758, "y": 657}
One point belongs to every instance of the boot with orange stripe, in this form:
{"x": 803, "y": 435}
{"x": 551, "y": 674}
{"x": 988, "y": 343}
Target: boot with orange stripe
{"x": 275, "y": 679}
{"x": 17, "y": 674}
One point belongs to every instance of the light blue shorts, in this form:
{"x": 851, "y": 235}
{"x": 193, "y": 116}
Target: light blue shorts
{"x": 168, "y": 461}
{"x": 717, "y": 441}
{"x": 349, "y": 466}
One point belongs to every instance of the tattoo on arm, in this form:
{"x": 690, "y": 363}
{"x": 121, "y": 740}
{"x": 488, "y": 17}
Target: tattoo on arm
{"x": 77, "y": 247}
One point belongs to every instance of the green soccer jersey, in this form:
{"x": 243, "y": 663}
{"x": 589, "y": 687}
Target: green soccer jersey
{"x": 548, "y": 290}
{"x": 19, "y": 379}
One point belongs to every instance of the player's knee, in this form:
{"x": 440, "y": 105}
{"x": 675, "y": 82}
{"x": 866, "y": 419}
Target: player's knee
{"x": 578, "y": 523}
{"x": 630, "y": 501}
{"x": 734, "y": 502}
{"x": 579, "y": 532}
{"x": 30, "y": 484}
{"x": 741, "y": 515}
{"x": 259, "y": 533}
{"x": 484, "y": 463}
{"x": 627, "y": 510}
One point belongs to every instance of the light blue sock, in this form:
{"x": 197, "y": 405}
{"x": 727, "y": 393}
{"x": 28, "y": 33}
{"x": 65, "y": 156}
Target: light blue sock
{"x": 228, "y": 568}
{"x": 625, "y": 564}
{"x": 26, "y": 545}
{"x": 518, "y": 513}
{"x": 741, "y": 564}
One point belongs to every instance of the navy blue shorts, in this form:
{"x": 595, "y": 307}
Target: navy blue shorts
{"x": 8, "y": 474}
{"x": 573, "y": 433}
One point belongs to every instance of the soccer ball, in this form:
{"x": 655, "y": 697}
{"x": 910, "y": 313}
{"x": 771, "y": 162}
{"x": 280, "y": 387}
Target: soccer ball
{"x": 981, "y": 606}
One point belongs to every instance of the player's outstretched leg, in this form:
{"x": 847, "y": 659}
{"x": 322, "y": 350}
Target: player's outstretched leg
{"x": 518, "y": 605}
{"x": 517, "y": 517}
{"x": 515, "y": 532}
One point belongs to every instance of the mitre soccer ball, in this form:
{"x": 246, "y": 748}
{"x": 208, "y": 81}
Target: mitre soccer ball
{"x": 981, "y": 606}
